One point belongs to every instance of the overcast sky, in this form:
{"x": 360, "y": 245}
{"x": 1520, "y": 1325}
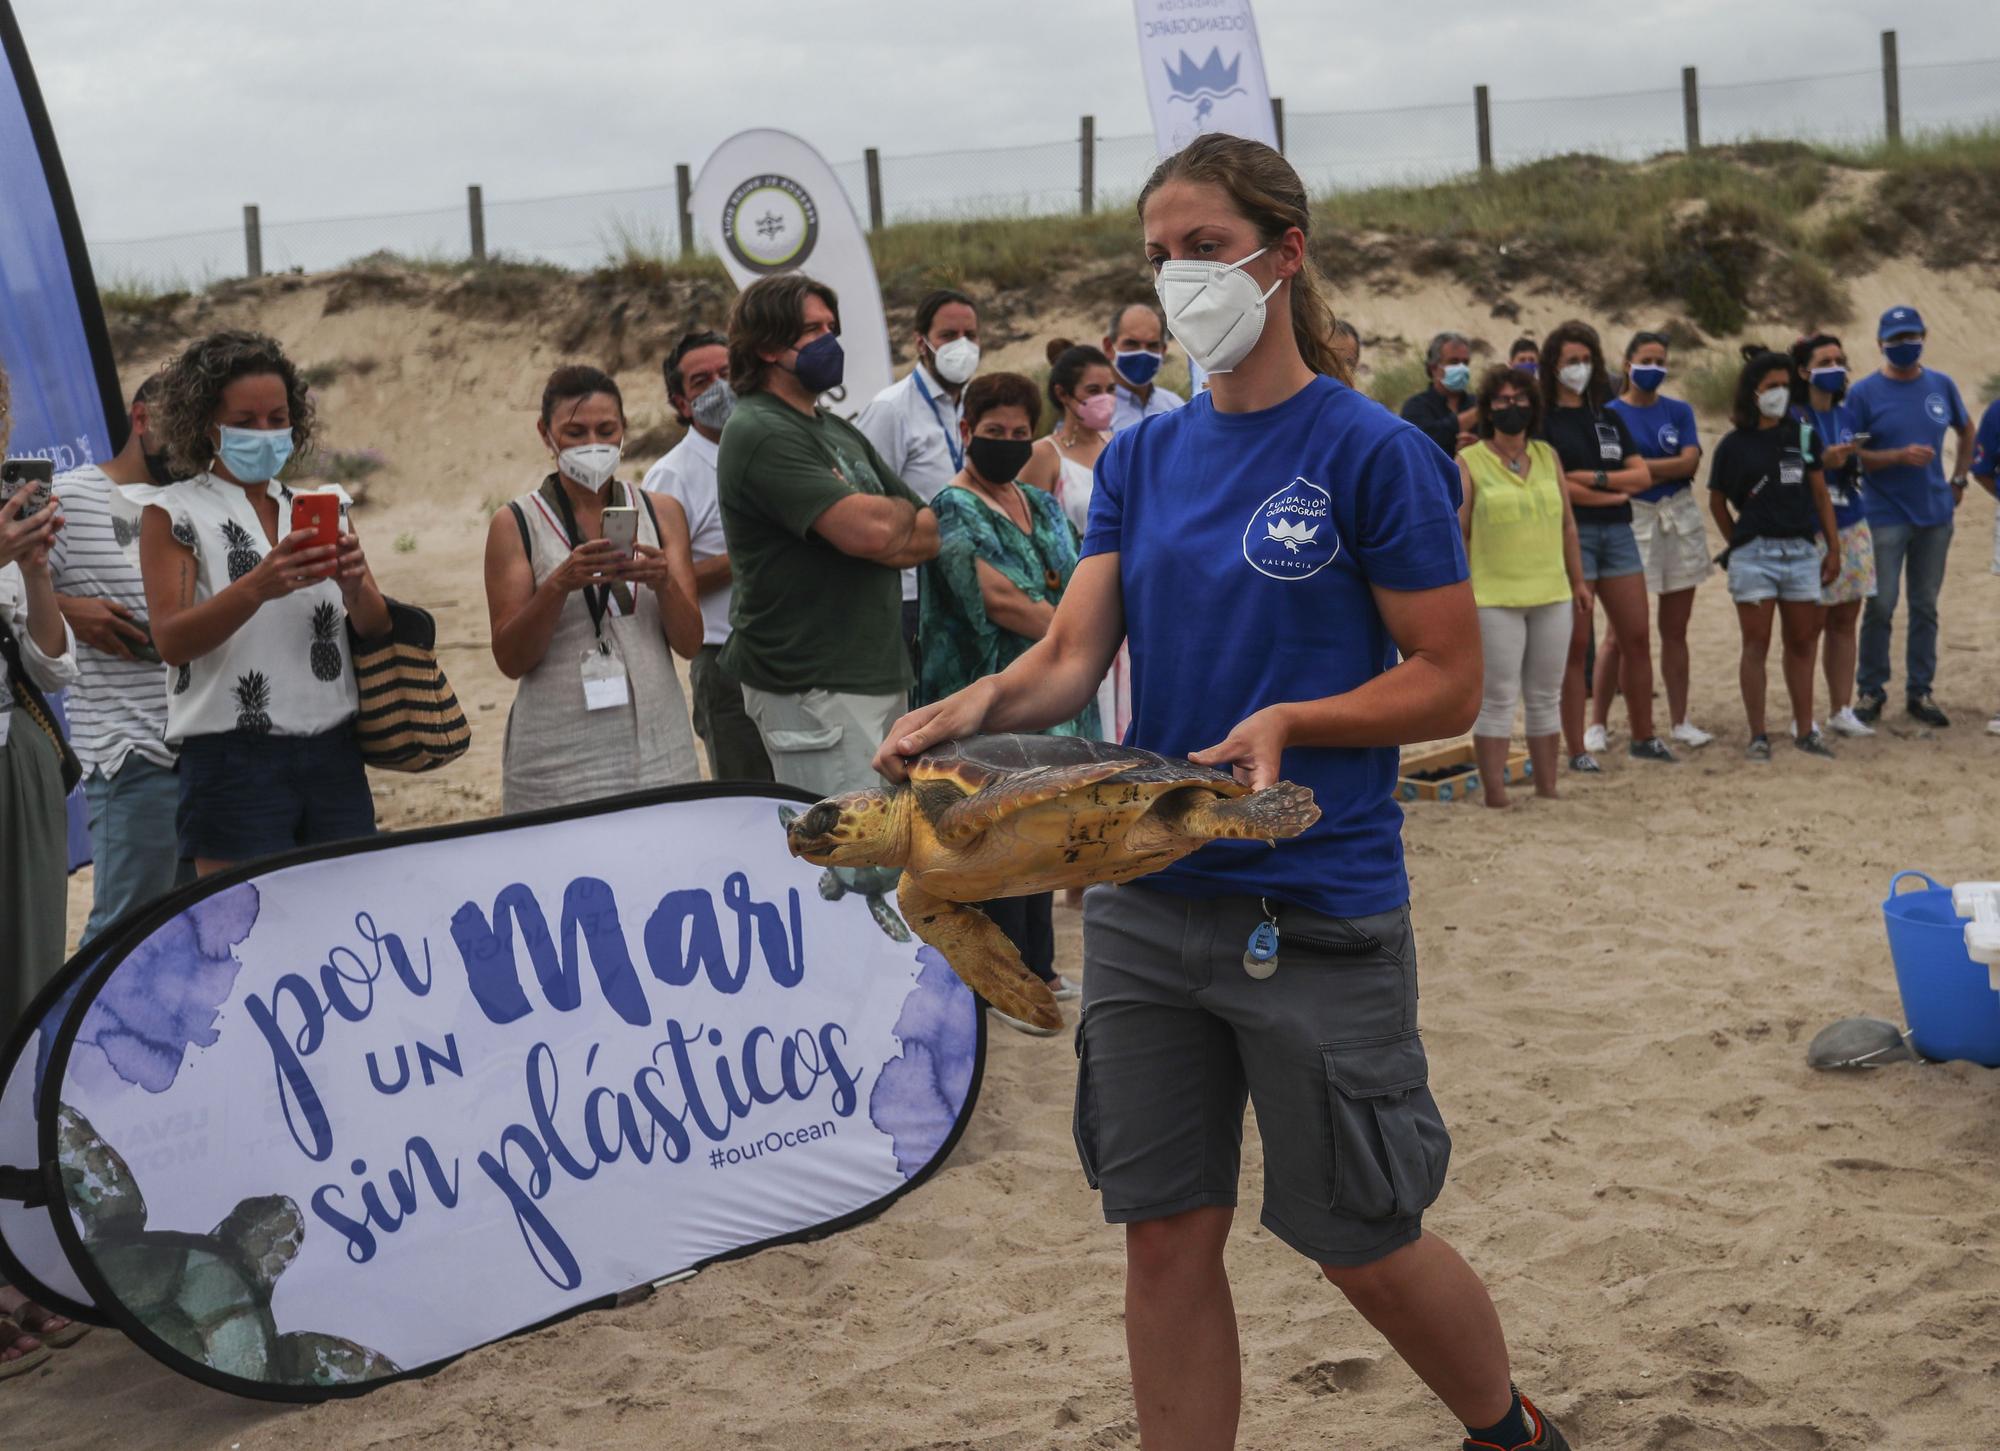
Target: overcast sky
{"x": 171, "y": 114}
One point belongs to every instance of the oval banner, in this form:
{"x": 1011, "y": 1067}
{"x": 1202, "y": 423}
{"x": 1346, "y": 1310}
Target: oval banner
{"x": 333, "y": 1119}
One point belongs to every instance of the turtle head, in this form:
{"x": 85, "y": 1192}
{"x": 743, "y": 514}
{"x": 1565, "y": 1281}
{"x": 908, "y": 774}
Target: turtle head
{"x": 860, "y": 829}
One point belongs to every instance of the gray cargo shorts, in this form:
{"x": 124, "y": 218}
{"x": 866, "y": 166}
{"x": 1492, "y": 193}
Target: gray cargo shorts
{"x": 1175, "y": 1035}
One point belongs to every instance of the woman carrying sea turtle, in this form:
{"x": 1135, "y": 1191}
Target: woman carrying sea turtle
{"x": 1284, "y": 557}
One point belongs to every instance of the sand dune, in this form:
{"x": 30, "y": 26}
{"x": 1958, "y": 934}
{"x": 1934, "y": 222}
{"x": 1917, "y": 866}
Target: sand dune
{"x": 1695, "y": 1240}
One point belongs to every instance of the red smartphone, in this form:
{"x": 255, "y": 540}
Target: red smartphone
{"x": 321, "y": 514}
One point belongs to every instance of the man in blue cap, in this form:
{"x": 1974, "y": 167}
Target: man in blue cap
{"x": 1904, "y": 412}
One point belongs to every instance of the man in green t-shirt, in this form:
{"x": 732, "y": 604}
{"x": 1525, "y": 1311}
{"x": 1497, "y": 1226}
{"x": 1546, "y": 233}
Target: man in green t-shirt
{"x": 819, "y": 529}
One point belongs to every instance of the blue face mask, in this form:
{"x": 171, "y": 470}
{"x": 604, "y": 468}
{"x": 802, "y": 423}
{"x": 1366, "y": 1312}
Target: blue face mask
{"x": 1458, "y": 376}
{"x": 821, "y": 364}
{"x": 1830, "y": 380}
{"x": 1647, "y": 377}
{"x": 1136, "y": 367}
{"x": 254, "y": 455}
{"x": 1903, "y": 355}
{"x": 1530, "y": 366}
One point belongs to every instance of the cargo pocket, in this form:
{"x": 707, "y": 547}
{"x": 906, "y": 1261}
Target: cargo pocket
{"x": 803, "y": 731}
{"x": 1390, "y": 1147}
{"x": 1083, "y": 1120}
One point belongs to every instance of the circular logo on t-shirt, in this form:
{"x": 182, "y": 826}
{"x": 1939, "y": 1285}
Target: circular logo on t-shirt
{"x": 1935, "y": 406}
{"x": 1669, "y": 438}
{"x": 770, "y": 223}
{"x": 1291, "y": 535}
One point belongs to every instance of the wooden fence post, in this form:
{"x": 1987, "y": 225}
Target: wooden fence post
{"x": 253, "y": 243}
{"x": 1892, "y": 91}
{"x": 475, "y": 215}
{"x": 1691, "y": 108}
{"x": 684, "y": 208}
{"x": 1087, "y": 166}
{"x": 1483, "y": 119}
{"x": 872, "y": 159}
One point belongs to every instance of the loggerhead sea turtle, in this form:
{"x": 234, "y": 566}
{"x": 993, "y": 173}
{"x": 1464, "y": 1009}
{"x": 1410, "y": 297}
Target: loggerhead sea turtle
{"x": 1007, "y": 815}
{"x": 207, "y": 1295}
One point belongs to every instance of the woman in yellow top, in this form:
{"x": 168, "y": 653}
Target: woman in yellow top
{"x": 1527, "y": 576}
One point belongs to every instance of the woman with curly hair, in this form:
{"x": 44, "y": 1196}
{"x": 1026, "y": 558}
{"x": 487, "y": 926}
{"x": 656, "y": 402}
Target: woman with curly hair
{"x": 252, "y": 617}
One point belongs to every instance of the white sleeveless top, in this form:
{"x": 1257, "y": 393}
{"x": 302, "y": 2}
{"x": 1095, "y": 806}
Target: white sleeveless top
{"x": 1074, "y": 483}
{"x": 559, "y": 753}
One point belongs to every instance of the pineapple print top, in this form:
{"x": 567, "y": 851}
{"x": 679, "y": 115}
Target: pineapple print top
{"x": 287, "y": 671}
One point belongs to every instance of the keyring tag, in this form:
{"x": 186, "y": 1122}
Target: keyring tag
{"x": 1260, "y": 954}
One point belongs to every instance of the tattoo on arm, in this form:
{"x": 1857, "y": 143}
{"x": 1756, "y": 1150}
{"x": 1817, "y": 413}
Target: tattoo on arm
{"x": 187, "y": 583}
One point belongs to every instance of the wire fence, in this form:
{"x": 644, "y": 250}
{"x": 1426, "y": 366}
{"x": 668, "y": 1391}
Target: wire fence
{"x": 1334, "y": 151}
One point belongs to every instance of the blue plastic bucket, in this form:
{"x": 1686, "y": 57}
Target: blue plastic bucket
{"x": 1948, "y": 998}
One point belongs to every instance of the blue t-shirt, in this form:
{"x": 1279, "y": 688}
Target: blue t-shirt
{"x": 1844, "y": 486}
{"x": 1247, "y": 544}
{"x": 1986, "y": 443}
{"x": 1896, "y": 414}
{"x": 1662, "y": 430}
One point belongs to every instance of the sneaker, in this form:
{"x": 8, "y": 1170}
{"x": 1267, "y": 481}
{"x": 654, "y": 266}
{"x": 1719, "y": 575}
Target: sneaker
{"x": 1846, "y": 723}
{"x": 1688, "y": 734}
{"x": 1760, "y": 748}
{"x": 1813, "y": 744}
{"x": 1651, "y": 749}
{"x": 1596, "y": 738}
{"x": 1870, "y": 709}
{"x": 1063, "y": 990}
{"x": 1584, "y": 762}
{"x": 1022, "y": 1025}
{"x": 1924, "y": 708}
{"x": 1546, "y": 1437}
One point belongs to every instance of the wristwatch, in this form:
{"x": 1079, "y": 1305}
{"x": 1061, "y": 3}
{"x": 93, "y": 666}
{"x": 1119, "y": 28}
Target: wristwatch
{"x": 1600, "y": 480}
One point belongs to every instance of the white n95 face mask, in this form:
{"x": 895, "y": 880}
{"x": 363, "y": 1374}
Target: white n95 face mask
{"x": 957, "y": 360}
{"x": 590, "y": 464}
{"x": 1213, "y": 309}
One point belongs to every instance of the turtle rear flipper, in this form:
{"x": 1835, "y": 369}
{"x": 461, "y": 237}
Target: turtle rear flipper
{"x": 980, "y": 954}
{"x": 1277, "y": 812}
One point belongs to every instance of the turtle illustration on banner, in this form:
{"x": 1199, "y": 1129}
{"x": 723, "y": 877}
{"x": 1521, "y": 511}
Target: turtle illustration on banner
{"x": 206, "y": 1295}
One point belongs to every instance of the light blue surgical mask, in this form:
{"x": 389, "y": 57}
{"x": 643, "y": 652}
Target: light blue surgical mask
{"x": 1458, "y": 376}
{"x": 254, "y": 455}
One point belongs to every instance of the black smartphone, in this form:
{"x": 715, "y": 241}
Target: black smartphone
{"x": 37, "y": 474}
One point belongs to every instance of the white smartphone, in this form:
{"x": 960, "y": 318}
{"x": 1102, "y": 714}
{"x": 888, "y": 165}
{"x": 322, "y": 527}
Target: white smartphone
{"x": 621, "y": 527}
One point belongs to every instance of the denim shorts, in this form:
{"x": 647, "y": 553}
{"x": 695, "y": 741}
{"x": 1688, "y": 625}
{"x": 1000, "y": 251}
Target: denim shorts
{"x": 1175, "y": 1035}
{"x": 1609, "y": 550}
{"x": 1775, "y": 569}
{"x": 246, "y": 795}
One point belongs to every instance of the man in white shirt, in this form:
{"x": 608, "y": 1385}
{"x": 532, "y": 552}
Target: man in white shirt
{"x": 913, "y": 423}
{"x": 1137, "y": 345}
{"x": 697, "y": 373}
{"x": 118, "y": 707}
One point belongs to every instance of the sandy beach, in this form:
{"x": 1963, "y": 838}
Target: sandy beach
{"x": 1695, "y": 1241}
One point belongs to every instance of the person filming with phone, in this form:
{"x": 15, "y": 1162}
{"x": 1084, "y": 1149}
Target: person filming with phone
{"x": 590, "y": 589}
{"x": 250, "y": 612}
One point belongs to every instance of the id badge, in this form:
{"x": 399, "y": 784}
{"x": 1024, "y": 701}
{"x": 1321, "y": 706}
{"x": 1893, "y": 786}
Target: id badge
{"x": 604, "y": 684}
{"x": 1791, "y": 470}
{"x": 1608, "y": 446}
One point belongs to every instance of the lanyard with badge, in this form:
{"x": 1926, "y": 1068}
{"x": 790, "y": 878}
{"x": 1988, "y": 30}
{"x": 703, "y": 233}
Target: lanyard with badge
{"x": 951, "y": 443}
{"x": 605, "y": 686}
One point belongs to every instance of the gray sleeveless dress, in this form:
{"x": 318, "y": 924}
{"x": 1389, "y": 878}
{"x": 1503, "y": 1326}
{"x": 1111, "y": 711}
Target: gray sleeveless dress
{"x": 557, "y": 752}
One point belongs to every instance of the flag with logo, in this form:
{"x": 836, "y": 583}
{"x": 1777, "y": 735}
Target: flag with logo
{"x": 1204, "y": 71}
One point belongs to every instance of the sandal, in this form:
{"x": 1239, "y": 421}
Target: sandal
{"x": 11, "y": 1335}
{"x": 53, "y": 1330}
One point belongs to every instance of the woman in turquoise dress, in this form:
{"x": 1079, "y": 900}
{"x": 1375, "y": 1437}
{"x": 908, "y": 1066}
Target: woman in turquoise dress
{"x": 1005, "y": 556}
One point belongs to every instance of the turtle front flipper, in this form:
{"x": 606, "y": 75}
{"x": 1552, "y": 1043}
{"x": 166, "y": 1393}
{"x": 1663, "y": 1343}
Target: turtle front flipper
{"x": 980, "y": 954}
{"x": 967, "y": 817}
{"x": 1277, "y": 812}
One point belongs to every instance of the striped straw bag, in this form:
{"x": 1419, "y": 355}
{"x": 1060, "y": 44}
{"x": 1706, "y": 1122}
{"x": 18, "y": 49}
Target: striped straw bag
{"x": 410, "y": 718}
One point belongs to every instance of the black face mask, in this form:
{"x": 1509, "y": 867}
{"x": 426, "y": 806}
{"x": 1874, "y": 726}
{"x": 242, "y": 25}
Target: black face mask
{"x": 999, "y": 460}
{"x": 159, "y": 469}
{"x": 1512, "y": 419}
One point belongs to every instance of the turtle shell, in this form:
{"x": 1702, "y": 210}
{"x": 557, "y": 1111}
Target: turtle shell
{"x": 978, "y": 761}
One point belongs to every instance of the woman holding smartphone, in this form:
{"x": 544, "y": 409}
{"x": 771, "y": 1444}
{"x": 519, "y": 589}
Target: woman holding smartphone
{"x": 251, "y": 614}
{"x": 1282, "y": 508}
{"x": 590, "y": 591}
{"x": 1819, "y": 397}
